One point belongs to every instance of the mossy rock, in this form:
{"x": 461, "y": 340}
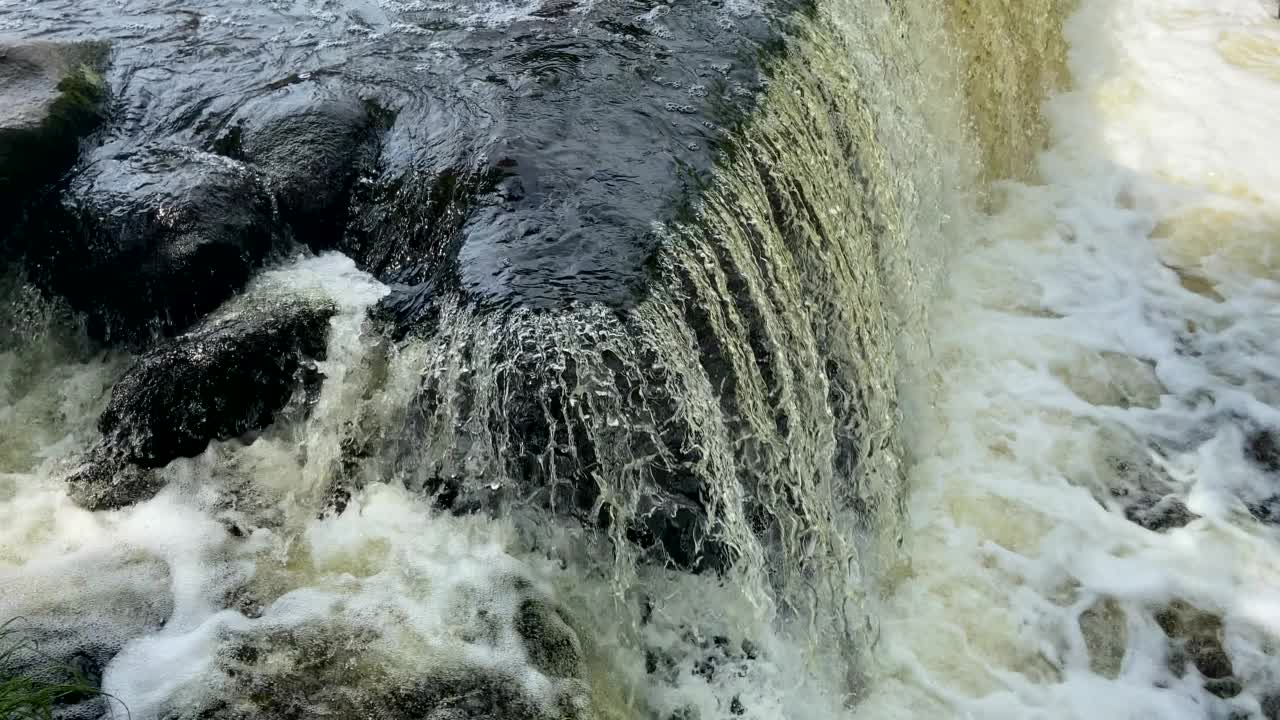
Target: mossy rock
{"x": 51, "y": 96}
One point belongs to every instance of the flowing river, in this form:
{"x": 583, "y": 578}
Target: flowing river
{"x": 1014, "y": 271}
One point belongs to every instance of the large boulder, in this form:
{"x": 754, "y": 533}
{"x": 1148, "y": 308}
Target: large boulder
{"x": 311, "y": 140}
{"x": 528, "y": 167}
{"x": 51, "y": 96}
{"x": 155, "y": 238}
{"x": 222, "y": 380}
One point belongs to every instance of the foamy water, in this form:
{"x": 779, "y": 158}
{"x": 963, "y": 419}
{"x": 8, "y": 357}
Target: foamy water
{"x": 1109, "y": 333}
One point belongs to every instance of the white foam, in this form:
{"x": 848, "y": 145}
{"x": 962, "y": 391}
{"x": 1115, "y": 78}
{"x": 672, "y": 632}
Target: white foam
{"x": 1152, "y": 240}
{"x": 427, "y": 588}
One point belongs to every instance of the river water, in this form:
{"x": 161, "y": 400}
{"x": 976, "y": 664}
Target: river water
{"x": 1052, "y": 278}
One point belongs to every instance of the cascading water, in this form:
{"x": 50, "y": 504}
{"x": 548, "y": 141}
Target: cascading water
{"x": 913, "y": 405}
{"x": 1091, "y": 525}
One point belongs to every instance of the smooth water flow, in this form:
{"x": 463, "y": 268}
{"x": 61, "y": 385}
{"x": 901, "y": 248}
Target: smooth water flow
{"x": 968, "y": 352}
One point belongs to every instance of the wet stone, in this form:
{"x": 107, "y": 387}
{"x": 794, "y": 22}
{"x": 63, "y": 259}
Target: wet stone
{"x": 713, "y": 659}
{"x": 51, "y": 96}
{"x": 1195, "y": 637}
{"x": 1224, "y": 688}
{"x": 224, "y": 379}
{"x": 1271, "y": 707}
{"x": 104, "y": 481}
{"x": 1145, "y": 493}
{"x": 154, "y": 239}
{"x": 311, "y": 139}
{"x": 1267, "y": 510}
{"x": 1263, "y": 449}
{"x": 1159, "y": 513}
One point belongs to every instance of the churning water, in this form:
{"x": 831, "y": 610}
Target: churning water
{"x": 1106, "y": 346}
{"x": 950, "y": 371}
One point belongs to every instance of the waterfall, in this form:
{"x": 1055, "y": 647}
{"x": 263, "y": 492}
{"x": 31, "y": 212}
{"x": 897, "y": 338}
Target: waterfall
{"x": 950, "y": 394}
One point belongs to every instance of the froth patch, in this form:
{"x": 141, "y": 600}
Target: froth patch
{"x": 384, "y": 609}
{"x": 1253, "y": 51}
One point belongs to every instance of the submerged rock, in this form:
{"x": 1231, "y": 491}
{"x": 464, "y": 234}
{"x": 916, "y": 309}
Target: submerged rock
{"x": 550, "y": 642}
{"x": 536, "y": 419}
{"x": 1159, "y": 513}
{"x": 156, "y": 238}
{"x": 1146, "y": 493}
{"x": 51, "y": 95}
{"x": 1271, "y": 706}
{"x": 1263, "y": 449}
{"x": 673, "y": 530}
{"x": 226, "y": 378}
{"x": 1106, "y": 635}
{"x": 342, "y": 670}
{"x": 1196, "y": 639}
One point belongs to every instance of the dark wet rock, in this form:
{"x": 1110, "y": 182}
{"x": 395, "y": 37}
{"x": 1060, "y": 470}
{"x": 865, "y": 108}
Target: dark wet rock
{"x": 156, "y": 238}
{"x": 1263, "y": 449}
{"x": 68, "y": 626}
{"x": 1271, "y": 706}
{"x": 311, "y": 140}
{"x": 534, "y": 176}
{"x": 1224, "y": 688}
{"x": 673, "y": 530}
{"x": 526, "y": 154}
{"x": 448, "y": 694}
{"x": 1195, "y": 637}
{"x": 51, "y": 96}
{"x": 216, "y": 382}
{"x": 224, "y": 379}
{"x": 1146, "y": 494}
{"x": 104, "y": 480}
{"x": 1159, "y": 513}
{"x": 1266, "y": 510}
